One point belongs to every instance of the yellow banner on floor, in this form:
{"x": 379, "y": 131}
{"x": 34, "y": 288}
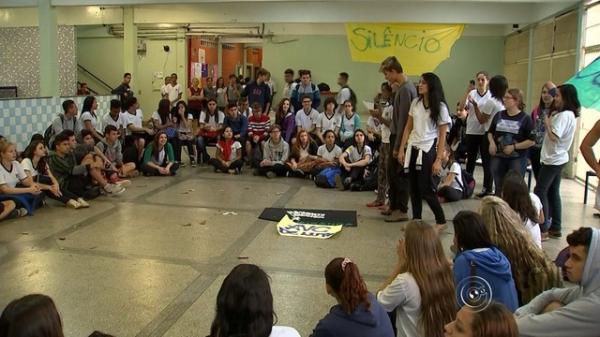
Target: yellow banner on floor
{"x": 288, "y": 227}
{"x": 420, "y": 48}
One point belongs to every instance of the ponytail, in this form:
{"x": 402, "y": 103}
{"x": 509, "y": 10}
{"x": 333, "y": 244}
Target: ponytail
{"x": 343, "y": 276}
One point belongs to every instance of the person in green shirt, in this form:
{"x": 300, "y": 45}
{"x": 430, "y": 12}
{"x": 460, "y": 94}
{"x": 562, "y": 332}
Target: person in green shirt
{"x": 159, "y": 158}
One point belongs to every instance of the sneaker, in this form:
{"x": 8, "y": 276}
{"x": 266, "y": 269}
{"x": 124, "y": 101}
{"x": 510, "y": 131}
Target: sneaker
{"x": 83, "y": 203}
{"x": 271, "y": 174}
{"x": 123, "y": 183}
{"x": 396, "y": 216}
{"x": 554, "y": 234}
{"x": 193, "y": 163}
{"x": 483, "y": 194}
{"x": 339, "y": 184}
{"x": 21, "y": 212}
{"x": 73, "y": 204}
{"x": 441, "y": 227}
{"x": 113, "y": 189}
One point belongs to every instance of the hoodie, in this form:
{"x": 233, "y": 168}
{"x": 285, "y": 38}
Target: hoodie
{"x": 493, "y": 267}
{"x": 579, "y": 315}
{"x": 374, "y": 322}
{"x": 276, "y": 153}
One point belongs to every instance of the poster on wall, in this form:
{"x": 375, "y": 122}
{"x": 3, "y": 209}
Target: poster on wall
{"x": 419, "y": 47}
{"x": 215, "y": 71}
{"x": 201, "y": 55}
{"x": 204, "y": 70}
{"x": 196, "y": 70}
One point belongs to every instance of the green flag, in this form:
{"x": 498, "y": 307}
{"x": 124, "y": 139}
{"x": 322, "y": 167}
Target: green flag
{"x": 587, "y": 82}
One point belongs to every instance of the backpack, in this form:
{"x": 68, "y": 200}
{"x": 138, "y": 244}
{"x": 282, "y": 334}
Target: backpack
{"x": 326, "y": 178}
{"x": 352, "y": 96}
{"x": 49, "y": 133}
{"x": 467, "y": 184}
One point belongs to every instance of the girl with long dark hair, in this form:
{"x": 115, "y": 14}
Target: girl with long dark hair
{"x": 560, "y": 130}
{"x": 286, "y": 118}
{"x": 211, "y": 126}
{"x": 31, "y": 315}
{"x": 159, "y": 159}
{"x": 510, "y": 136}
{"x": 185, "y": 137}
{"x": 544, "y": 108}
{"x": 451, "y": 186}
{"x": 245, "y": 306}
{"x": 161, "y": 118}
{"x": 357, "y": 314}
{"x": 228, "y": 158}
{"x": 222, "y": 99}
{"x": 89, "y": 119}
{"x": 36, "y": 166}
{"x": 425, "y": 132}
{"x": 421, "y": 287}
{"x": 529, "y": 207}
{"x": 353, "y": 161}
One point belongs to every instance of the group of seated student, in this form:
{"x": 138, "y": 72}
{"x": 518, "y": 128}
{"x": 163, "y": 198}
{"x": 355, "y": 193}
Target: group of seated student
{"x": 429, "y": 296}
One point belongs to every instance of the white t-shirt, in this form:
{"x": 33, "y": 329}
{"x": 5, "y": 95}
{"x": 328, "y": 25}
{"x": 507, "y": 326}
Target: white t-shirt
{"x": 533, "y": 227}
{"x": 326, "y": 123}
{"x": 12, "y": 177}
{"x": 473, "y": 125}
{"x": 108, "y": 120}
{"x": 348, "y": 127}
{"x": 211, "y": 119}
{"x": 173, "y": 92}
{"x": 425, "y": 131}
{"x": 404, "y": 296}
{"x": 563, "y": 126}
{"x": 284, "y": 331}
{"x": 87, "y": 116}
{"x": 456, "y": 169}
{"x": 135, "y": 120}
{"x": 234, "y": 147}
{"x": 157, "y": 120}
{"x": 332, "y": 155}
{"x": 161, "y": 156}
{"x": 307, "y": 121}
{"x": 385, "y": 130}
{"x": 353, "y": 155}
{"x": 342, "y": 96}
{"x": 491, "y": 107}
{"x": 27, "y": 165}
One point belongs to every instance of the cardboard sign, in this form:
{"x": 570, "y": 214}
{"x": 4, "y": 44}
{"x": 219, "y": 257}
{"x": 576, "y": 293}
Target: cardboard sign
{"x": 288, "y": 227}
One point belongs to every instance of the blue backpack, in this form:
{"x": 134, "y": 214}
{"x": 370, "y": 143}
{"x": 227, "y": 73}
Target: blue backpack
{"x": 326, "y": 178}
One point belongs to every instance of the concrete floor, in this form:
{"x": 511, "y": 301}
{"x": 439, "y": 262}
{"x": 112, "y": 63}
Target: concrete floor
{"x": 150, "y": 262}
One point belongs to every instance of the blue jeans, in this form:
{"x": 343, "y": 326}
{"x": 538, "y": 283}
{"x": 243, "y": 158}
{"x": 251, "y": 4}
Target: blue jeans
{"x": 547, "y": 189}
{"x": 500, "y": 166}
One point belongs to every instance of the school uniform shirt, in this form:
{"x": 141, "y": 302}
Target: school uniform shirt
{"x": 288, "y": 88}
{"x": 473, "y": 125}
{"x": 491, "y": 107}
{"x": 563, "y": 127}
{"x": 403, "y": 296}
{"x": 283, "y": 331}
{"x": 135, "y": 120}
{"x": 353, "y": 155}
{"x": 343, "y": 95}
{"x": 456, "y": 169}
{"x": 425, "y": 130}
{"x": 329, "y": 123}
{"x": 532, "y": 227}
{"x": 62, "y": 123}
{"x": 173, "y": 91}
{"x": 108, "y": 120}
{"x": 157, "y": 120}
{"x": 348, "y": 126}
{"x": 13, "y": 176}
{"x": 211, "y": 119}
{"x": 87, "y": 116}
{"x": 326, "y": 154}
{"x": 385, "y": 130}
{"x": 307, "y": 121}
{"x": 27, "y": 165}
{"x": 374, "y": 124}
{"x": 507, "y": 130}
{"x": 234, "y": 147}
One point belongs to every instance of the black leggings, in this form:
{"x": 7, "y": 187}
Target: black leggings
{"x": 449, "y": 193}
{"x": 397, "y": 181}
{"x": 178, "y": 145}
{"x": 480, "y": 144}
{"x": 219, "y": 166}
{"x": 152, "y": 171}
{"x": 64, "y": 198}
{"x": 422, "y": 186}
{"x": 279, "y": 169}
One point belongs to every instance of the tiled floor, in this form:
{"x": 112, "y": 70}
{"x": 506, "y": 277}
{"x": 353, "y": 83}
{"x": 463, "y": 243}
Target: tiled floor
{"x": 150, "y": 262}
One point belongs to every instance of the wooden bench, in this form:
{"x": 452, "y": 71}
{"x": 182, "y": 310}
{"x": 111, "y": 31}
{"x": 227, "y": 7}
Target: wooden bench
{"x": 588, "y": 174}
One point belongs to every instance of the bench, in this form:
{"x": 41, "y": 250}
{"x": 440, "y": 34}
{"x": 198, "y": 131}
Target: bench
{"x": 588, "y": 174}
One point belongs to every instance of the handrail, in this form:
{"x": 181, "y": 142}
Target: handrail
{"x": 95, "y": 77}
{"x": 90, "y": 89}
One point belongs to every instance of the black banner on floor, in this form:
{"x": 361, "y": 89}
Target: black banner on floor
{"x": 314, "y": 216}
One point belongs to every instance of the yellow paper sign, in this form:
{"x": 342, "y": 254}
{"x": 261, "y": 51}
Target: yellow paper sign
{"x": 420, "y": 48}
{"x": 288, "y": 227}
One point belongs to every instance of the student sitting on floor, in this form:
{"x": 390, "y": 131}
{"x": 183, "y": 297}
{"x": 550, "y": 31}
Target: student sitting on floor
{"x": 244, "y": 306}
{"x": 183, "y": 121}
{"x": 228, "y": 158}
{"x": 159, "y": 159}
{"x": 258, "y": 127}
{"x": 9, "y": 210}
{"x": 328, "y": 120}
{"x": 65, "y": 121}
{"x": 329, "y": 151}
{"x": 211, "y": 126}
{"x": 492, "y": 321}
{"x": 306, "y": 118}
{"x": 110, "y": 147}
{"x": 353, "y": 162}
{"x": 275, "y": 152}
{"x": 36, "y": 166}
{"x": 31, "y": 315}
{"x": 357, "y": 314}
{"x": 450, "y": 187}
{"x": 526, "y": 204}
{"x": 569, "y": 311}
{"x": 136, "y": 135}
{"x": 15, "y": 184}
{"x": 350, "y": 123}
{"x": 237, "y": 122}
{"x": 76, "y": 176}
{"x": 114, "y": 117}
{"x": 303, "y": 157}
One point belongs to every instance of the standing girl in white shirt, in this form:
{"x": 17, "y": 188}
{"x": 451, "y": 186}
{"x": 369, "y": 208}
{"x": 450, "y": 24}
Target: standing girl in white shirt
{"x": 560, "y": 130}
{"x": 425, "y": 132}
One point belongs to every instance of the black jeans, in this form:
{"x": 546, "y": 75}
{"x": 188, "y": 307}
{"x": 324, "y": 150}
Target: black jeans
{"x": 355, "y": 174}
{"x": 178, "y": 145}
{"x": 422, "y": 185}
{"x": 397, "y": 181}
{"x": 479, "y": 144}
{"x": 547, "y": 188}
{"x": 279, "y": 169}
{"x": 450, "y": 194}
{"x": 152, "y": 171}
{"x": 219, "y": 166}
{"x": 500, "y": 166}
{"x": 534, "y": 157}
{"x": 64, "y": 198}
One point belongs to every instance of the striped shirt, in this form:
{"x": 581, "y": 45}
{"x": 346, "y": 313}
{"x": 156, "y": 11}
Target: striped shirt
{"x": 259, "y": 125}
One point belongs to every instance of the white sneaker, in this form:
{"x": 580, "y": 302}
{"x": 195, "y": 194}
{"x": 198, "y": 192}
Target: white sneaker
{"x": 113, "y": 189}
{"x": 73, "y": 204}
{"x": 123, "y": 183}
{"x": 83, "y": 203}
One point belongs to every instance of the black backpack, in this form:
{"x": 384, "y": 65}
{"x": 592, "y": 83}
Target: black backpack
{"x": 467, "y": 184}
{"x": 352, "y": 95}
{"x": 49, "y": 133}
